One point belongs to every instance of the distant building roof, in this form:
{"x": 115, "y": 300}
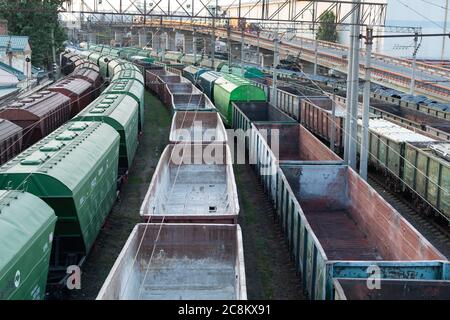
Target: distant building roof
{"x": 15, "y": 43}
{"x": 19, "y": 74}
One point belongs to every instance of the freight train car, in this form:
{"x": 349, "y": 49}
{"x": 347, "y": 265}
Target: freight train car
{"x": 131, "y": 87}
{"x": 193, "y": 73}
{"x": 439, "y": 128}
{"x": 10, "y": 140}
{"x": 231, "y": 88}
{"x": 192, "y": 183}
{"x": 121, "y": 112}
{"x": 206, "y": 82}
{"x": 197, "y": 127}
{"x": 194, "y": 261}
{"x": 90, "y": 73}
{"x": 391, "y": 289}
{"x": 318, "y": 206}
{"x": 243, "y": 72}
{"x": 74, "y": 170}
{"x": 38, "y": 115}
{"x": 27, "y": 226}
{"x": 80, "y": 92}
{"x": 128, "y": 75}
{"x": 427, "y": 172}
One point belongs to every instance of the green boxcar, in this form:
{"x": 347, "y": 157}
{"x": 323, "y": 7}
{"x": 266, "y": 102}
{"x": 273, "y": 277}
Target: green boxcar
{"x": 122, "y": 113}
{"x": 387, "y": 145}
{"x": 124, "y": 53}
{"x": 102, "y": 61}
{"x": 206, "y": 82}
{"x": 95, "y": 56}
{"x": 74, "y": 170}
{"x": 128, "y": 74}
{"x": 142, "y": 59}
{"x": 193, "y": 73}
{"x": 245, "y": 72}
{"x": 231, "y": 88}
{"x": 115, "y": 52}
{"x": 173, "y": 56}
{"x": 124, "y": 66}
{"x": 421, "y": 162}
{"x": 134, "y": 89}
{"x": 107, "y": 50}
{"x": 27, "y": 225}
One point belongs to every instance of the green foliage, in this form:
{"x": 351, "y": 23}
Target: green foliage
{"x": 327, "y": 28}
{"x": 35, "y": 19}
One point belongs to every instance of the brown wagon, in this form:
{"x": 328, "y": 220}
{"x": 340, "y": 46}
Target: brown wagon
{"x": 79, "y": 91}
{"x": 10, "y": 140}
{"x": 38, "y": 114}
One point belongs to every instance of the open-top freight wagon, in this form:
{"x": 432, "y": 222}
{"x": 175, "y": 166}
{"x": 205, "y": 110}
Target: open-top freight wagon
{"x": 192, "y": 183}
{"x": 197, "y": 127}
{"x": 179, "y": 262}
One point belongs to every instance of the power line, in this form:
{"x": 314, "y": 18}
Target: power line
{"x": 436, "y": 5}
{"x": 418, "y": 13}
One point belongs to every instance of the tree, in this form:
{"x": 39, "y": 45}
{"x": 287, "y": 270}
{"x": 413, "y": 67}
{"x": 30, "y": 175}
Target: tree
{"x": 35, "y": 19}
{"x": 327, "y": 28}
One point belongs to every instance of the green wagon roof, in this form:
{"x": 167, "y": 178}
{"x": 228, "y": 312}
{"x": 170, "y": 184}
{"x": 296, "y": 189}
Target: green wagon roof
{"x": 119, "y": 107}
{"x": 231, "y": 88}
{"x": 124, "y": 65}
{"x": 126, "y": 86}
{"x": 246, "y": 71}
{"x": 131, "y": 87}
{"x": 26, "y": 227}
{"x": 60, "y": 159}
{"x": 142, "y": 58}
{"x": 64, "y": 169}
{"x": 122, "y": 113}
{"x": 128, "y": 74}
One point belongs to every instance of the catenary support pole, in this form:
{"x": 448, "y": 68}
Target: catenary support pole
{"x": 348, "y": 106}
{"x": 366, "y": 102}
{"x": 274, "y": 68}
{"x": 242, "y": 48}
{"x": 445, "y": 30}
{"x": 333, "y": 121}
{"x": 230, "y": 50}
{"x": 413, "y": 69}
{"x": 355, "y": 92}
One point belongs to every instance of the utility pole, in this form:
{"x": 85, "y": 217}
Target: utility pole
{"x": 229, "y": 46}
{"x": 257, "y": 48}
{"x": 366, "y": 102}
{"x": 445, "y": 30}
{"x": 213, "y": 37}
{"x": 354, "y": 92}
{"x": 315, "y": 38}
{"x": 242, "y": 48}
{"x": 194, "y": 46}
{"x": 52, "y": 35}
{"x": 413, "y": 71}
{"x": 274, "y": 68}
{"x": 348, "y": 105}
{"x": 333, "y": 121}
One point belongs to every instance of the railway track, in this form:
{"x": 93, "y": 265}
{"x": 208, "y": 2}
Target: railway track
{"x": 432, "y": 229}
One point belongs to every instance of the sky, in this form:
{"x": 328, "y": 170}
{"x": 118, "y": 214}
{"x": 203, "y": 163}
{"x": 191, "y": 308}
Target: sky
{"x": 398, "y": 11}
